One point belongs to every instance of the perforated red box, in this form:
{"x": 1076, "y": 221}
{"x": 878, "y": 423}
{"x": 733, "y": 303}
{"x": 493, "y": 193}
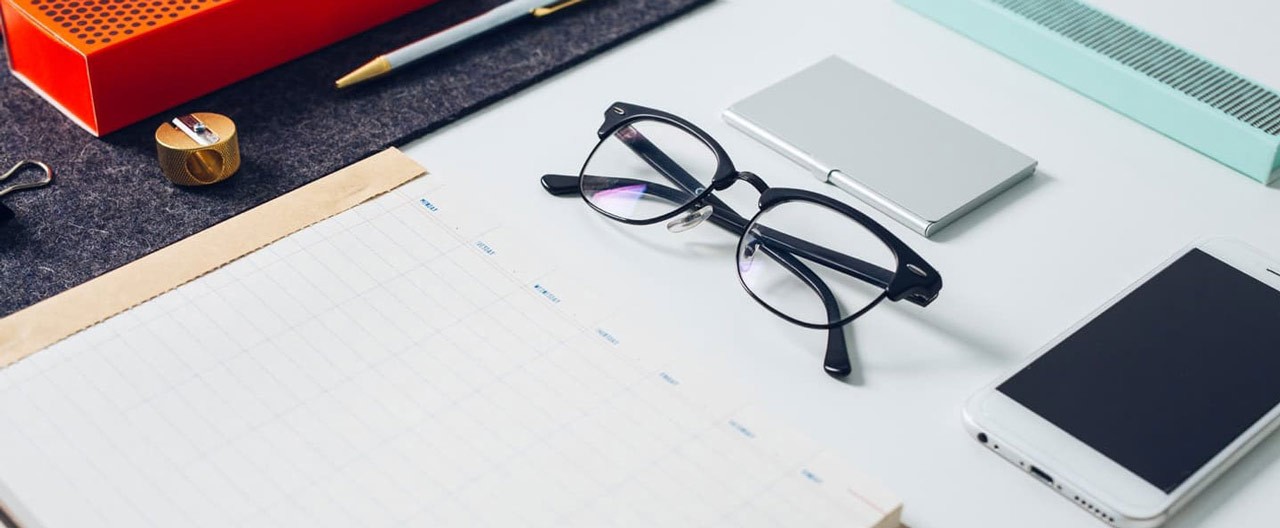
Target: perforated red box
{"x": 110, "y": 63}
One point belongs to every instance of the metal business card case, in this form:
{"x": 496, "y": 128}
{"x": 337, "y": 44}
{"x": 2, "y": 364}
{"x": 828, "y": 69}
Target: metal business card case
{"x": 901, "y": 156}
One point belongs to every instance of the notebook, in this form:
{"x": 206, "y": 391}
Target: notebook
{"x": 411, "y": 361}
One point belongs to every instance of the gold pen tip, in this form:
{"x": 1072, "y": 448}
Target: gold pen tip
{"x": 374, "y": 68}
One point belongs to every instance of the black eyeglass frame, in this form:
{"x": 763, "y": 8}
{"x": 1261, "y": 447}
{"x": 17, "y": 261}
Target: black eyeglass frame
{"x": 913, "y": 280}
{"x": 912, "y": 275}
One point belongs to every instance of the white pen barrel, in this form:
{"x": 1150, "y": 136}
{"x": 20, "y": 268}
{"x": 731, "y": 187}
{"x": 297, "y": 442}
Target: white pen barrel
{"x": 480, "y": 24}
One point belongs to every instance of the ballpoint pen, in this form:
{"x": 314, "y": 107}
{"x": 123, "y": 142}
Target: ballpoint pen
{"x": 492, "y": 19}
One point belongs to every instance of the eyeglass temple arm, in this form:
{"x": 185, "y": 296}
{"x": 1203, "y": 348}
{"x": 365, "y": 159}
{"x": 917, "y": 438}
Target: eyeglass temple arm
{"x": 659, "y": 160}
{"x": 726, "y": 218}
{"x": 562, "y": 185}
{"x": 836, "y": 361}
{"x": 721, "y": 215}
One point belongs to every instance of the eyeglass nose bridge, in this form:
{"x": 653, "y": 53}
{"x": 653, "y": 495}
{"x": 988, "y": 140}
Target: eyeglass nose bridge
{"x": 749, "y": 177}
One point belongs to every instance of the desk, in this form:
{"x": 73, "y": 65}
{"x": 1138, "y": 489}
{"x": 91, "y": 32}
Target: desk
{"x": 1111, "y": 201}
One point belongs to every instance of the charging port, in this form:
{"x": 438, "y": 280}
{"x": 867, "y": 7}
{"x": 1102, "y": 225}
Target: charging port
{"x": 1041, "y": 475}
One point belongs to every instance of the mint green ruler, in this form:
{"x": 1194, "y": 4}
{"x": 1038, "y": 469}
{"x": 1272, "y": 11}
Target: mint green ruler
{"x": 1172, "y": 90}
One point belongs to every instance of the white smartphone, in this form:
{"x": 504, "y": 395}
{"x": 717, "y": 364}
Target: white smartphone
{"x": 1135, "y": 409}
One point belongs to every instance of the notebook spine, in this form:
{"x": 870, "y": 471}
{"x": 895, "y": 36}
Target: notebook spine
{"x": 1207, "y": 107}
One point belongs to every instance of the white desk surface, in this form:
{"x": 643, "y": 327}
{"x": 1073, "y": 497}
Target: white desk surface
{"x": 1112, "y": 199}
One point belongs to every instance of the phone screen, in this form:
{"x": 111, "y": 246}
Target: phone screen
{"x": 1167, "y": 377}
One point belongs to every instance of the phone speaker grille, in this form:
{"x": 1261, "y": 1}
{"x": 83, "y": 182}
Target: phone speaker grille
{"x": 1172, "y": 90}
{"x": 1255, "y": 105}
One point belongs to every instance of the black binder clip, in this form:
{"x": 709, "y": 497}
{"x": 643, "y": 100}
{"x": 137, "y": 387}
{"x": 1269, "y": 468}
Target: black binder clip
{"x": 6, "y": 214}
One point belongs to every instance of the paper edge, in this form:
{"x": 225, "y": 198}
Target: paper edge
{"x": 49, "y": 321}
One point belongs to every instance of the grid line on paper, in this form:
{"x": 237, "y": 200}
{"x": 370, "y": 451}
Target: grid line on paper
{"x": 71, "y": 442}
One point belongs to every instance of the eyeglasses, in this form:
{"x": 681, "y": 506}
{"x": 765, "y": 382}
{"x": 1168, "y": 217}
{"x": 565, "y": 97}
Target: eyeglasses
{"x": 810, "y": 259}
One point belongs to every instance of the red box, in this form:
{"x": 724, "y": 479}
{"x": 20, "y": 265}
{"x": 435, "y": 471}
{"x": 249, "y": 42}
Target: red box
{"x": 111, "y": 63}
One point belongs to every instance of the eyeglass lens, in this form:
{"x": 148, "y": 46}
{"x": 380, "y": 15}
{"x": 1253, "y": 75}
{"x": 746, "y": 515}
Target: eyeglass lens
{"x": 646, "y": 170}
{"x": 785, "y": 240}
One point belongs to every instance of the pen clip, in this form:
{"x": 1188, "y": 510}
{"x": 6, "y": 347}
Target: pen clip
{"x": 552, "y": 8}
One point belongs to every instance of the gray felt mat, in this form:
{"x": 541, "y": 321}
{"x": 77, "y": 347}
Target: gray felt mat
{"x": 111, "y": 205}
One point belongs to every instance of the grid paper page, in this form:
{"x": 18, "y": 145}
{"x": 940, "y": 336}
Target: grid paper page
{"x": 408, "y": 362}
